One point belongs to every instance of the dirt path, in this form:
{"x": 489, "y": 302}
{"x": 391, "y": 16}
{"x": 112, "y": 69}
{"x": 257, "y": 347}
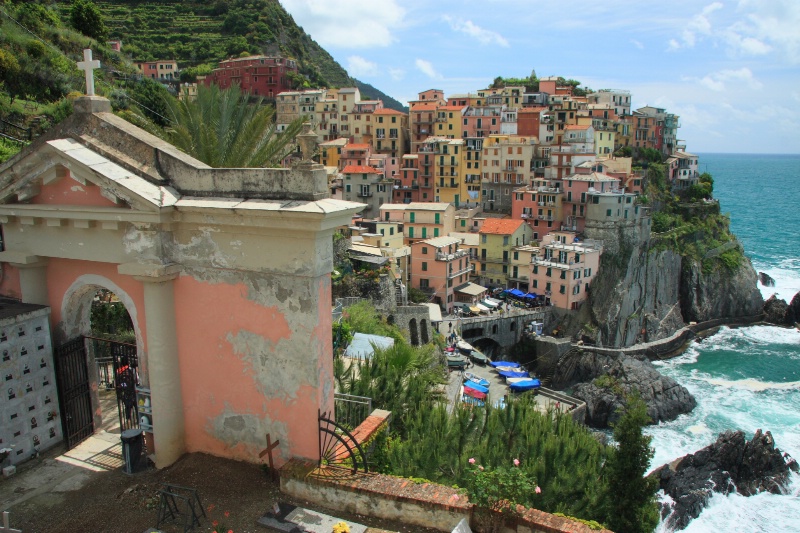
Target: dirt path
{"x": 48, "y": 497}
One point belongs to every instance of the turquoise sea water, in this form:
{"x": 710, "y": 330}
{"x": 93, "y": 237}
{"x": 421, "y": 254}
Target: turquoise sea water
{"x": 747, "y": 378}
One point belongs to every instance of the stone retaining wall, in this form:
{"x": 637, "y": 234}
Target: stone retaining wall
{"x": 394, "y": 498}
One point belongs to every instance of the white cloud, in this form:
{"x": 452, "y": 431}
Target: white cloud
{"x": 469, "y": 28}
{"x": 774, "y": 22}
{"x": 397, "y": 74}
{"x": 359, "y": 67}
{"x": 348, "y": 23}
{"x": 697, "y": 25}
{"x": 637, "y": 44}
{"x": 426, "y": 67}
{"x": 716, "y": 80}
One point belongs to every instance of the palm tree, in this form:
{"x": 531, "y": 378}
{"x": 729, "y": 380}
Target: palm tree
{"x": 223, "y": 128}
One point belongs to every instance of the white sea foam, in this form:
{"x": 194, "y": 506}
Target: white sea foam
{"x": 787, "y": 279}
{"x": 753, "y": 385}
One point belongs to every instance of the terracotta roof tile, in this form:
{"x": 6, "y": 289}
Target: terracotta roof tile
{"x": 501, "y": 226}
{"x": 360, "y": 169}
{"x": 387, "y": 111}
{"x": 352, "y": 146}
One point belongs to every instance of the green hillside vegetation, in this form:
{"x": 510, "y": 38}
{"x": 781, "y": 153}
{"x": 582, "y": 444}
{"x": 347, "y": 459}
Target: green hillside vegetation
{"x": 200, "y": 34}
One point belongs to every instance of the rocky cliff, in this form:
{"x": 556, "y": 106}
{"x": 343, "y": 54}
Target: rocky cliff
{"x": 732, "y": 464}
{"x": 605, "y": 381}
{"x": 646, "y": 291}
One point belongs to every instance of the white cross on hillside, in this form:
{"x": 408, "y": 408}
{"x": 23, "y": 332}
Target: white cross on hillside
{"x": 88, "y": 66}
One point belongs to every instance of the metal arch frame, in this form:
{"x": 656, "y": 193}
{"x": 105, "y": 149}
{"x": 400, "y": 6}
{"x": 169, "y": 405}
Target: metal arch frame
{"x": 333, "y": 438}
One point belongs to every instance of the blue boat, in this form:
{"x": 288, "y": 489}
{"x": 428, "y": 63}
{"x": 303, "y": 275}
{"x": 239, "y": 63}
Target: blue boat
{"x": 474, "y": 386}
{"x": 509, "y": 374}
{"x": 504, "y": 363}
{"x": 469, "y": 376}
{"x": 528, "y": 384}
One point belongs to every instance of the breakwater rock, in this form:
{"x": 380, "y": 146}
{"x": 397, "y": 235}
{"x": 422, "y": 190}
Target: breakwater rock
{"x": 778, "y": 312}
{"x": 603, "y": 381}
{"x": 730, "y": 464}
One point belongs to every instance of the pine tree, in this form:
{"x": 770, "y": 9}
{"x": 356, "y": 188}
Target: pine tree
{"x": 631, "y": 504}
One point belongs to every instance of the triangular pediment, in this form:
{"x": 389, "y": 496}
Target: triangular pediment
{"x": 65, "y": 172}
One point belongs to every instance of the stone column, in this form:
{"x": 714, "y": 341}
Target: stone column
{"x": 163, "y": 370}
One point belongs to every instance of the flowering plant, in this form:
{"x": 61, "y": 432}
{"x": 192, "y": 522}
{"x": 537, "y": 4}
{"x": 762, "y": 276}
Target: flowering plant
{"x": 219, "y": 528}
{"x": 341, "y": 527}
{"x": 499, "y": 489}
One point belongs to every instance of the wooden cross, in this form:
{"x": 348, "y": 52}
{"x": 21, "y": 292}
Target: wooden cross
{"x": 88, "y": 66}
{"x": 268, "y": 451}
{"x": 6, "y": 528}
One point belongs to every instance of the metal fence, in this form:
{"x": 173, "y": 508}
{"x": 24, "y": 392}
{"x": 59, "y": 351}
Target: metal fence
{"x": 351, "y": 410}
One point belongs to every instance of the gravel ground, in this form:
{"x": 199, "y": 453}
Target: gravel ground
{"x": 113, "y": 501}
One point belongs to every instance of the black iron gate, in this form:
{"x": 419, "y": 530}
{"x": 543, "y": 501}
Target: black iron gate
{"x": 125, "y": 367}
{"x": 74, "y": 391}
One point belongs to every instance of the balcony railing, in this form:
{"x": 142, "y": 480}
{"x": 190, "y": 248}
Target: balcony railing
{"x": 364, "y": 194}
{"x": 468, "y": 268}
{"x": 449, "y": 257}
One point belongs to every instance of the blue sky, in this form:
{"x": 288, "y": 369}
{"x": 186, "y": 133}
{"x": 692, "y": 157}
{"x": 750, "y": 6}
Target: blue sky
{"x": 729, "y": 68}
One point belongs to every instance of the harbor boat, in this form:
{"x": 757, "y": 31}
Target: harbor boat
{"x": 473, "y": 397}
{"x": 478, "y": 357}
{"x": 469, "y": 376}
{"x": 509, "y": 381}
{"x": 513, "y": 374}
{"x": 525, "y": 385}
{"x": 505, "y": 363}
{"x": 456, "y": 362}
{"x": 509, "y": 369}
{"x": 474, "y": 386}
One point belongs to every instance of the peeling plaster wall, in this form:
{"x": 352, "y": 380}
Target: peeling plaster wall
{"x": 244, "y": 371}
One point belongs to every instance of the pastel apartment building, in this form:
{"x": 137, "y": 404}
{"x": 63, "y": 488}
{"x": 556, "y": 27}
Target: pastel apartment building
{"x": 505, "y": 166}
{"x": 421, "y": 220}
{"x": 166, "y": 70}
{"x": 438, "y": 266}
{"x": 564, "y": 269}
{"x": 683, "y": 169}
{"x": 406, "y": 181}
{"x": 366, "y": 184}
{"x": 539, "y": 205}
{"x": 259, "y": 75}
{"x": 577, "y": 188}
{"x": 291, "y": 105}
{"x": 497, "y": 238}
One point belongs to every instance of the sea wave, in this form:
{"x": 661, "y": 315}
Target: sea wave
{"x": 753, "y": 385}
{"x": 786, "y": 274}
{"x": 735, "y": 338}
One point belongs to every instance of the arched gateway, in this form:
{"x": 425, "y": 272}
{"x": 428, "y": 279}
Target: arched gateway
{"x": 225, "y": 273}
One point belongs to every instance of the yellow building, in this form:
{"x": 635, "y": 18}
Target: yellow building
{"x": 498, "y": 237}
{"x": 449, "y": 122}
{"x": 330, "y": 152}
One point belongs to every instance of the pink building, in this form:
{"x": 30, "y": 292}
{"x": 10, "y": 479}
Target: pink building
{"x": 564, "y": 269}
{"x": 576, "y": 190}
{"x": 406, "y": 182}
{"x": 438, "y": 266}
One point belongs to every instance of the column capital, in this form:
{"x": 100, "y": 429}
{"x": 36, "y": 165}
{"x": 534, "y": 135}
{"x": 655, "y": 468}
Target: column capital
{"x": 150, "y": 272}
{"x": 23, "y": 259}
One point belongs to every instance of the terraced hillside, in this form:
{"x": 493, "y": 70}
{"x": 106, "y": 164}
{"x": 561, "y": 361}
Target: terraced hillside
{"x": 201, "y": 33}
